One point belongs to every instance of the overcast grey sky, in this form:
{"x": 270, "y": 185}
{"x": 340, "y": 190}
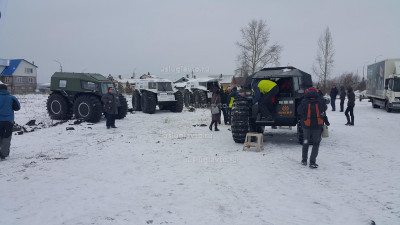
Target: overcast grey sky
{"x": 120, "y": 36}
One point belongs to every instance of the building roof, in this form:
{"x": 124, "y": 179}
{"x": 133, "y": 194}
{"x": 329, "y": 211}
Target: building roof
{"x": 14, "y": 63}
{"x": 238, "y": 80}
{"x": 224, "y": 79}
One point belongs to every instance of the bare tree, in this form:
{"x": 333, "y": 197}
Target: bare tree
{"x": 349, "y": 80}
{"x": 255, "y": 51}
{"x": 324, "y": 61}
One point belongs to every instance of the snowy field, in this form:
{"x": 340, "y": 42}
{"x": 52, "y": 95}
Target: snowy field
{"x": 163, "y": 169}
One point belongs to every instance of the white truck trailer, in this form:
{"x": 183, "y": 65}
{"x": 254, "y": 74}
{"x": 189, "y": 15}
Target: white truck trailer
{"x": 383, "y": 84}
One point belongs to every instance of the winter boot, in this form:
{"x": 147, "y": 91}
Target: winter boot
{"x": 216, "y": 129}
{"x": 313, "y": 165}
{"x": 304, "y": 162}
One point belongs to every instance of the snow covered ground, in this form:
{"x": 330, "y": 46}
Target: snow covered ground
{"x": 161, "y": 169}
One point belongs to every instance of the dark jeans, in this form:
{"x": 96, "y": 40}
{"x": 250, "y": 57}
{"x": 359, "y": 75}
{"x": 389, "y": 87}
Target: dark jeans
{"x": 265, "y": 105}
{"x": 333, "y": 103}
{"x": 5, "y": 138}
{"x": 224, "y": 113}
{"x": 110, "y": 120}
{"x": 349, "y": 109}
{"x": 228, "y": 114}
{"x": 315, "y": 135}
{"x": 341, "y": 105}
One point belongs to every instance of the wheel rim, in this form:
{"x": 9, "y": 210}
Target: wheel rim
{"x": 83, "y": 109}
{"x": 56, "y": 107}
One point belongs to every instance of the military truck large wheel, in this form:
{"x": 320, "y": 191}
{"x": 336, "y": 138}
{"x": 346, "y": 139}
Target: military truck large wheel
{"x": 177, "y": 106}
{"x": 123, "y": 109}
{"x": 58, "y": 107}
{"x": 200, "y": 98}
{"x": 240, "y": 119}
{"x": 136, "y": 101}
{"x": 88, "y": 108}
{"x": 187, "y": 98}
{"x": 148, "y": 102}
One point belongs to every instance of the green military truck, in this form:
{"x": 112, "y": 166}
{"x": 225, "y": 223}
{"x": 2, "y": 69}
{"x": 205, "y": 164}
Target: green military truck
{"x": 79, "y": 94}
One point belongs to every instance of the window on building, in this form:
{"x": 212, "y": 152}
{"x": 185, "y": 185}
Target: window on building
{"x": 7, "y": 80}
{"x": 30, "y": 80}
{"x": 19, "y": 79}
{"x": 28, "y": 70}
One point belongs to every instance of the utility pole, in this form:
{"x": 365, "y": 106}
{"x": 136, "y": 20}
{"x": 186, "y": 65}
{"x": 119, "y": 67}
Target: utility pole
{"x": 59, "y": 64}
{"x": 377, "y": 57}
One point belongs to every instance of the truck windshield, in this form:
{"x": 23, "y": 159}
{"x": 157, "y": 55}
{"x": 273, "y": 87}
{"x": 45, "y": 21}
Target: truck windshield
{"x": 164, "y": 86}
{"x": 212, "y": 85}
{"x": 396, "y": 85}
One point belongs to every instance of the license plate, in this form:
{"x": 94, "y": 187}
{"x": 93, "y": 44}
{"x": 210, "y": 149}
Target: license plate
{"x": 164, "y": 97}
{"x": 209, "y": 95}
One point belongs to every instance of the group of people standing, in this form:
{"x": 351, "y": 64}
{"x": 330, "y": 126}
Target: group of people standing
{"x": 222, "y": 101}
{"x": 351, "y": 99}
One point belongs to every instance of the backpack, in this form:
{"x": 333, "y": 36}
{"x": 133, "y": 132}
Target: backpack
{"x": 312, "y": 117}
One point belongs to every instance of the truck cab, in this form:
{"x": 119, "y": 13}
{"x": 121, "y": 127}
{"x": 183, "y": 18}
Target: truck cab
{"x": 383, "y": 84}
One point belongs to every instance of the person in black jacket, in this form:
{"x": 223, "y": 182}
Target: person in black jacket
{"x": 342, "y": 98}
{"x": 351, "y": 101}
{"x": 111, "y": 103}
{"x": 333, "y": 94}
{"x": 312, "y": 116}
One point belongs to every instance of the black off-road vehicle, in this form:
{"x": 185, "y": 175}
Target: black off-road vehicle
{"x": 80, "y": 94}
{"x": 292, "y": 84}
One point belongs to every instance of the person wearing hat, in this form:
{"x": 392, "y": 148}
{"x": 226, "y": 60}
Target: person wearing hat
{"x": 312, "y": 117}
{"x": 333, "y": 94}
{"x": 265, "y": 91}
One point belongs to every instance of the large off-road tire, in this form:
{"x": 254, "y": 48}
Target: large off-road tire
{"x": 177, "y": 106}
{"x": 123, "y": 108}
{"x": 58, "y": 107}
{"x": 200, "y": 98}
{"x": 148, "y": 102}
{"x": 187, "y": 98}
{"x": 88, "y": 108}
{"x": 240, "y": 119}
{"x": 300, "y": 135}
{"x": 136, "y": 101}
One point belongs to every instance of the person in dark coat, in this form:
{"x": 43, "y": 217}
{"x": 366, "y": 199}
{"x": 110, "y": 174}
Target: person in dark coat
{"x": 110, "y": 102}
{"x": 333, "y": 94}
{"x": 342, "y": 98}
{"x": 351, "y": 102}
{"x": 224, "y": 104}
{"x": 8, "y": 104}
{"x": 215, "y": 102}
{"x": 312, "y": 112}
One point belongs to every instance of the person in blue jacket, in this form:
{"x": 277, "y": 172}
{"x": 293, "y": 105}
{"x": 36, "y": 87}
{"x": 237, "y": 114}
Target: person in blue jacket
{"x": 8, "y": 104}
